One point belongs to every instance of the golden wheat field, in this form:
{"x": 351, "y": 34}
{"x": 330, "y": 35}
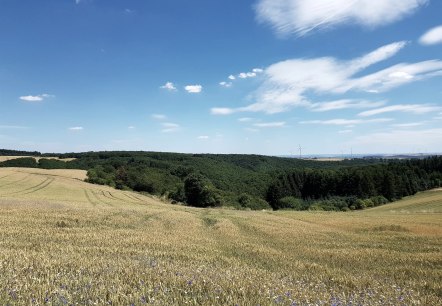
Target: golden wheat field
{"x": 66, "y": 242}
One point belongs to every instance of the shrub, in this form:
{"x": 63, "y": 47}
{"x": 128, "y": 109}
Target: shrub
{"x": 247, "y": 201}
{"x": 289, "y": 202}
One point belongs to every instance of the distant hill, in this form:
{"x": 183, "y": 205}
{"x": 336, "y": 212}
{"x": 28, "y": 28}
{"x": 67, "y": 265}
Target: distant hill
{"x": 249, "y": 181}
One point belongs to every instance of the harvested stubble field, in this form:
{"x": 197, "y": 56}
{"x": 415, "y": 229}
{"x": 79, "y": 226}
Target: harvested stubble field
{"x": 66, "y": 242}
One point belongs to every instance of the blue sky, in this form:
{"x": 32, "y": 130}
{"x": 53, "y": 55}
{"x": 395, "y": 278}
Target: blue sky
{"x": 261, "y": 76}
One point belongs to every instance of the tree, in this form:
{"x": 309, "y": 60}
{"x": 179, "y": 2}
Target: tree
{"x": 199, "y": 192}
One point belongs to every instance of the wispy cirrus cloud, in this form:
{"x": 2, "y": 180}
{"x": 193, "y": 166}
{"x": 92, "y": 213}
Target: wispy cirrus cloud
{"x": 348, "y": 122}
{"x": 344, "y": 104}
{"x": 289, "y": 83}
{"x": 270, "y": 124}
{"x": 407, "y": 108}
{"x": 193, "y": 88}
{"x": 36, "y": 98}
{"x": 409, "y": 125}
{"x": 12, "y": 127}
{"x": 432, "y": 36}
{"x": 300, "y": 17}
{"x": 245, "y": 119}
{"x": 203, "y": 137}
{"x": 76, "y": 128}
{"x": 169, "y": 127}
{"x": 345, "y": 131}
{"x": 159, "y": 116}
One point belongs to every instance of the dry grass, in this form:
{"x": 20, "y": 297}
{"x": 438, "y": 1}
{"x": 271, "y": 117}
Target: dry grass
{"x": 63, "y": 241}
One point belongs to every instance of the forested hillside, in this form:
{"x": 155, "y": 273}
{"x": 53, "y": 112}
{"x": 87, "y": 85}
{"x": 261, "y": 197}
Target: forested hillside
{"x": 250, "y": 181}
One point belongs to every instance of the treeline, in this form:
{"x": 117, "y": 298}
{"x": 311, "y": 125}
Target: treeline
{"x": 43, "y": 163}
{"x": 355, "y": 187}
{"x": 4, "y": 152}
{"x": 251, "y": 181}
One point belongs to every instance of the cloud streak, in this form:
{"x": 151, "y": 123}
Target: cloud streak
{"x": 37, "y": 98}
{"x": 270, "y": 124}
{"x": 289, "y": 83}
{"x": 169, "y": 127}
{"x": 300, "y": 17}
{"x": 407, "y": 108}
{"x": 432, "y": 36}
{"x": 348, "y": 122}
{"x": 76, "y": 128}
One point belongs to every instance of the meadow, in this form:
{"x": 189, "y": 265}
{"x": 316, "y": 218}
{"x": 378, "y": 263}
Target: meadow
{"x": 67, "y": 242}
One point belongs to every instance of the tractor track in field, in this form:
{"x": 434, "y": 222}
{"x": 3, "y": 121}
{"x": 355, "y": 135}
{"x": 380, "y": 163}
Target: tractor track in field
{"x": 133, "y": 197}
{"x": 115, "y": 198}
{"x": 110, "y": 196}
{"x": 34, "y": 188}
{"x": 89, "y": 198}
{"x": 96, "y": 196}
{"x": 42, "y": 186}
{"x": 6, "y": 175}
{"x": 15, "y": 182}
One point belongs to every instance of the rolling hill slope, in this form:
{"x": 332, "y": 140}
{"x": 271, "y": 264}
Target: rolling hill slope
{"x": 63, "y": 241}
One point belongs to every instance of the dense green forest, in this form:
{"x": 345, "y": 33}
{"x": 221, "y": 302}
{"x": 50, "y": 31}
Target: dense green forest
{"x": 250, "y": 181}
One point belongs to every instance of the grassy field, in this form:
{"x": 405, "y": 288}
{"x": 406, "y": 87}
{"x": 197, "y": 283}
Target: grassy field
{"x": 63, "y": 242}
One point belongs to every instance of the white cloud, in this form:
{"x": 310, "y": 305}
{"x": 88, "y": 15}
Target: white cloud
{"x": 346, "y": 122}
{"x": 193, "y": 88}
{"x": 203, "y": 137}
{"x": 232, "y": 77}
{"x": 222, "y": 111}
{"x": 345, "y": 131}
{"x": 406, "y": 125}
{"x": 300, "y": 17}
{"x": 225, "y": 84}
{"x": 31, "y": 98}
{"x": 169, "y": 86}
{"x": 250, "y": 74}
{"x": 344, "y": 104}
{"x": 245, "y": 119}
{"x": 245, "y": 75}
{"x": 76, "y": 128}
{"x": 169, "y": 127}
{"x": 288, "y": 83}
{"x": 432, "y": 36}
{"x": 408, "y": 108}
{"x": 131, "y": 127}
{"x": 159, "y": 116}
{"x": 12, "y": 127}
{"x": 270, "y": 124}
{"x": 36, "y": 98}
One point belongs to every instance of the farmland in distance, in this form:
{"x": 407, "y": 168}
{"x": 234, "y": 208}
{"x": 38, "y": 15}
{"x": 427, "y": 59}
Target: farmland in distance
{"x": 63, "y": 241}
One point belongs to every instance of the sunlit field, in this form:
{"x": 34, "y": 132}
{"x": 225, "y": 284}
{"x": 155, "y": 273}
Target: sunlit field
{"x": 66, "y": 242}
